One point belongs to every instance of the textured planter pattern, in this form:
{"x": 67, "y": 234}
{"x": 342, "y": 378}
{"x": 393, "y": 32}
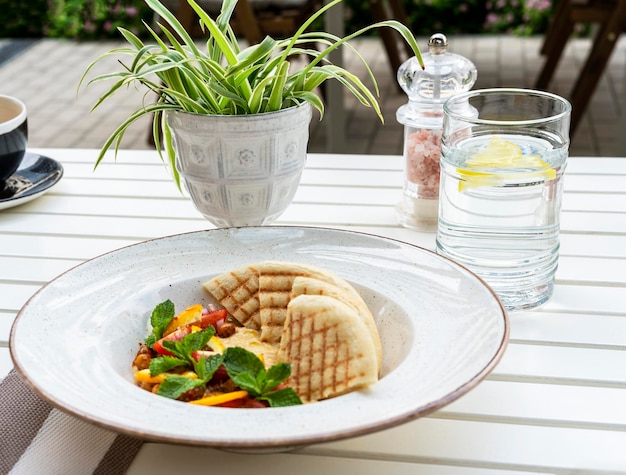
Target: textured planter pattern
{"x": 241, "y": 170}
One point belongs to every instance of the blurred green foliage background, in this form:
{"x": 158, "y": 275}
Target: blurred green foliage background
{"x": 99, "y": 19}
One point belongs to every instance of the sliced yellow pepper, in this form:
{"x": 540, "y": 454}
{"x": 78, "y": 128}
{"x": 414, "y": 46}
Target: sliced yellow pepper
{"x": 216, "y": 344}
{"x": 143, "y": 376}
{"x": 187, "y": 316}
{"x": 220, "y": 398}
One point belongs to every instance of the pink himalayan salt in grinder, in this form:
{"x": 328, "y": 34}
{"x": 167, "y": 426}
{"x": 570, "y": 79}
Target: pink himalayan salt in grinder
{"x": 444, "y": 75}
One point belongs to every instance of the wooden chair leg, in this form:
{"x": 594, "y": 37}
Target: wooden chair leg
{"x": 560, "y": 18}
{"x": 388, "y": 38}
{"x": 557, "y": 45}
{"x": 399, "y": 13}
{"x": 603, "y": 46}
{"x": 186, "y": 16}
{"x": 248, "y": 22}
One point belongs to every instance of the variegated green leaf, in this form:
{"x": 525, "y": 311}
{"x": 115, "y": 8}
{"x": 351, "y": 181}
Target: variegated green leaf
{"x": 223, "y": 78}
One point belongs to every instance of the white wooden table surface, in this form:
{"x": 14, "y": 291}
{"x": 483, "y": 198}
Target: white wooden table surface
{"x": 555, "y": 404}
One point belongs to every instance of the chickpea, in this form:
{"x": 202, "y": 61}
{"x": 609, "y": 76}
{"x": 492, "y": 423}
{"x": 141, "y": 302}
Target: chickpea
{"x": 146, "y": 386}
{"x": 226, "y": 330}
{"x": 142, "y": 361}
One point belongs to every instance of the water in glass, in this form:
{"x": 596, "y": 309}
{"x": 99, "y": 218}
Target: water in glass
{"x": 502, "y": 219}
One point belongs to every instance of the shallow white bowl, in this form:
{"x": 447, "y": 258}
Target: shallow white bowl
{"x": 443, "y": 330}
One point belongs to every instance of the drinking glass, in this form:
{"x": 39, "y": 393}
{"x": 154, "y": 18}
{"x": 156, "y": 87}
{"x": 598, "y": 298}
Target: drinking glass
{"x": 503, "y": 156}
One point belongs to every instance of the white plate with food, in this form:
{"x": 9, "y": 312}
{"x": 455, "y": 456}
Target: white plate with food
{"x": 442, "y": 330}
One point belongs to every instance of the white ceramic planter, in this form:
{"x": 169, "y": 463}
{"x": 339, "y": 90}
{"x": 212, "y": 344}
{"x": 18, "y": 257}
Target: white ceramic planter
{"x": 241, "y": 170}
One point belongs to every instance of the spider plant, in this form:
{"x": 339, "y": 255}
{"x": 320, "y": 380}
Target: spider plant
{"x": 221, "y": 78}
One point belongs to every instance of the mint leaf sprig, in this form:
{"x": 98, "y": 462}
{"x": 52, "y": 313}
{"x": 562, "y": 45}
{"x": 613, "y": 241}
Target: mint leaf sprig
{"x": 161, "y": 317}
{"x": 247, "y": 371}
{"x": 182, "y": 350}
{"x": 174, "y": 386}
{"x": 190, "y": 343}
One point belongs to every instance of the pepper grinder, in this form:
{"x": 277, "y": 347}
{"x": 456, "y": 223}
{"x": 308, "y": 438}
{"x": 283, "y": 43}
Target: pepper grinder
{"x": 444, "y": 75}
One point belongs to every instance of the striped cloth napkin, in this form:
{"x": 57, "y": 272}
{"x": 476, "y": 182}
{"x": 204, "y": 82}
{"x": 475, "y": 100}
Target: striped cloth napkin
{"x": 36, "y": 438}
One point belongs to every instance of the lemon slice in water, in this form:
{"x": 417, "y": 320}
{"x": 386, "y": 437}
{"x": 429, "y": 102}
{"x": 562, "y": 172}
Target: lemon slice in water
{"x": 501, "y": 154}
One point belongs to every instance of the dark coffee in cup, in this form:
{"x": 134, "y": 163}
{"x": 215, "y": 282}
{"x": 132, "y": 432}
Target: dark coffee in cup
{"x": 13, "y": 135}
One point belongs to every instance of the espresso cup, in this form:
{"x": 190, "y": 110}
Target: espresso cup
{"x": 13, "y": 135}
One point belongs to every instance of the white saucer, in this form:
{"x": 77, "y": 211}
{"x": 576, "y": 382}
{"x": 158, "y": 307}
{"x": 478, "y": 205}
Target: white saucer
{"x": 36, "y": 175}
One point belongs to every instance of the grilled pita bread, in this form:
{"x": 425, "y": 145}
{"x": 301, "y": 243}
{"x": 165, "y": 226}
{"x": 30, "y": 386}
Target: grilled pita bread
{"x": 275, "y": 286}
{"x": 238, "y": 292}
{"x": 328, "y": 346}
{"x": 317, "y": 320}
{"x": 346, "y": 295}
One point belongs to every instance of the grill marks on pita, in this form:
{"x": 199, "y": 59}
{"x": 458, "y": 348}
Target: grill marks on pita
{"x": 275, "y": 287}
{"x": 319, "y": 322}
{"x": 237, "y": 291}
{"x": 328, "y": 346}
{"x": 346, "y": 294}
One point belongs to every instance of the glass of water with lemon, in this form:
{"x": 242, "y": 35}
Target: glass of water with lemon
{"x": 503, "y": 155}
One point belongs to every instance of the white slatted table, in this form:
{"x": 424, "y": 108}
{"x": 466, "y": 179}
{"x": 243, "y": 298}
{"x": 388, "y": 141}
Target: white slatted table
{"x": 555, "y": 404}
